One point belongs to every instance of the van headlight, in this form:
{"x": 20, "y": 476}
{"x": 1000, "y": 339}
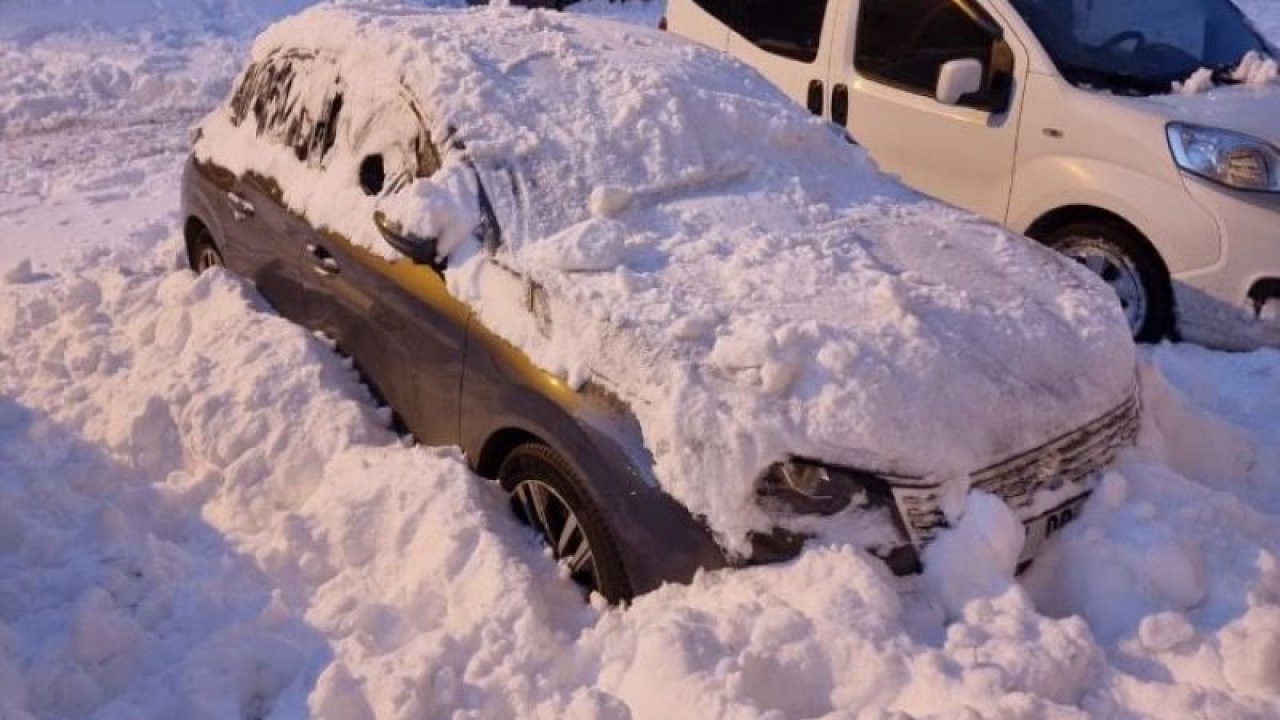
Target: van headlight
{"x": 1229, "y": 158}
{"x": 808, "y": 488}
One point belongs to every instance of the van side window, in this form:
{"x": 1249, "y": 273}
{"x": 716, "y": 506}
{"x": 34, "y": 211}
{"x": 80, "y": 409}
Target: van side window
{"x": 790, "y": 28}
{"x": 905, "y": 42}
{"x": 293, "y": 99}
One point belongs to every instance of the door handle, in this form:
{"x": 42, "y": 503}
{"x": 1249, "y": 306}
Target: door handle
{"x": 322, "y": 260}
{"x": 241, "y": 209}
{"x": 840, "y": 105}
{"x": 815, "y": 97}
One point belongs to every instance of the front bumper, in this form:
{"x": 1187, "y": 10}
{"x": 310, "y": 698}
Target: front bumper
{"x": 1233, "y": 303}
{"x": 1045, "y": 487}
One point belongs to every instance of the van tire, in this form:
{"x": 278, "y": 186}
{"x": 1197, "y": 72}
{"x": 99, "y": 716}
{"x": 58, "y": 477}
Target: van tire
{"x": 1133, "y": 269}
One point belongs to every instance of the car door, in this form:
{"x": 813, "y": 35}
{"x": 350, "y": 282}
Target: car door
{"x": 788, "y": 41}
{"x": 395, "y": 317}
{"x": 258, "y": 242}
{"x": 888, "y": 69}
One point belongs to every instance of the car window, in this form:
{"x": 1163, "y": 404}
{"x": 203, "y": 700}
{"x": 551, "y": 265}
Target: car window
{"x": 294, "y": 99}
{"x": 905, "y": 42}
{"x": 791, "y": 28}
{"x": 387, "y": 141}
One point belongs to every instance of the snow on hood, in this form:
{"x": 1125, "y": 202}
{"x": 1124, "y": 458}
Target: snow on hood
{"x": 740, "y": 274}
{"x": 1255, "y": 70}
{"x": 1242, "y": 108}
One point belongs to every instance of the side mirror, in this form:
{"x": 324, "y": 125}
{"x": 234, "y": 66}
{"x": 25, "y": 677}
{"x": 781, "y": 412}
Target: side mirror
{"x": 957, "y": 78}
{"x": 420, "y": 250}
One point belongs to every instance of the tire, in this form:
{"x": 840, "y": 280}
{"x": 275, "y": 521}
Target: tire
{"x": 538, "y": 477}
{"x": 202, "y": 254}
{"x": 1125, "y": 261}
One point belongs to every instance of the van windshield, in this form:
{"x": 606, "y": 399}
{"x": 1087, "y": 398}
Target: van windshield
{"x": 1140, "y": 47}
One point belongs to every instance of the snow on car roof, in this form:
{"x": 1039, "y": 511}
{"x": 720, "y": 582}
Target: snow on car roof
{"x": 736, "y": 271}
{"x": 578, "y": 103}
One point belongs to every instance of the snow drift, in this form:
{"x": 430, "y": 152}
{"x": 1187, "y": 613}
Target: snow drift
{"x": 135, "y": 581}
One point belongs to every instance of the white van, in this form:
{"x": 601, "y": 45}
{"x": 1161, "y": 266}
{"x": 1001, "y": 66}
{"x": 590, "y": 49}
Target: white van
{"x": 1060, "y": 120}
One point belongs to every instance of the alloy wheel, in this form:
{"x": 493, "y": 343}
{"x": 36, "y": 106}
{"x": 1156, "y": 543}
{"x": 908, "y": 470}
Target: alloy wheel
{"x": 1117, "y": 270}
{"x": 539, "y": 505}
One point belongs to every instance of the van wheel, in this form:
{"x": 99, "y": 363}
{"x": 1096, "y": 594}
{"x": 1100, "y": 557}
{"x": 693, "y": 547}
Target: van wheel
{"x": 547, "y": 495}
{"x": 203, "y": 255}
{"x": 1128, "y": 264}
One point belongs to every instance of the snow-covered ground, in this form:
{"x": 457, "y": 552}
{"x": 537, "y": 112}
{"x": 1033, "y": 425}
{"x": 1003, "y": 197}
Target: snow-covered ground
{"x": 202, "y": 513}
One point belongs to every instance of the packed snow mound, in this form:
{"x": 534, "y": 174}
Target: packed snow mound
{"x": 202, "y": 514}
{"x": 737, "y": 272}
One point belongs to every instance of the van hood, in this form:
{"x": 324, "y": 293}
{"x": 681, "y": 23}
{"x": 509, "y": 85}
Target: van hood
{"x": 1254, "y": 111}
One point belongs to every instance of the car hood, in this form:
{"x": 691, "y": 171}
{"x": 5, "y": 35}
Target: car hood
{"x": 743, "y": 326}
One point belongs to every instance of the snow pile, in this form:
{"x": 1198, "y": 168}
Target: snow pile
{"x": 738, "y": 273}
{"x": 201, "y": 514}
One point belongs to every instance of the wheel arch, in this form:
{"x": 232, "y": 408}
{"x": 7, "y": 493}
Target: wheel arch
{"x": 1043, "y": 226}
{"x": 193, "y": 231}
{"x": 498, "y": 446}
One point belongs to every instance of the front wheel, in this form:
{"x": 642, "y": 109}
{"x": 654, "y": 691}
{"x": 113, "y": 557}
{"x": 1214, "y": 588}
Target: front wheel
{"x": 1132, "y": 269}
{"x": 548, "y": 495}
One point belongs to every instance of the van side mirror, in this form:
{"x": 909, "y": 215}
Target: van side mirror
{"x": 421, "y": 251}
{"x": 958, "y": 78}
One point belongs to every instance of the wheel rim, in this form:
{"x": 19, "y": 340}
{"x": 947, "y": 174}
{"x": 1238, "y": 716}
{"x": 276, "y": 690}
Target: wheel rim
{"x": 545, "y": 510}
{"x": 1116, "y": 270}
{"x": 207, "y": 257}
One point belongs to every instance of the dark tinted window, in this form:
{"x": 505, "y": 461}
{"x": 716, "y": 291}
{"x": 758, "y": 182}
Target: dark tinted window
{"x": 791, "y": 28}
{"x": 293, "y": 99}
{"x": 905, "y": 42}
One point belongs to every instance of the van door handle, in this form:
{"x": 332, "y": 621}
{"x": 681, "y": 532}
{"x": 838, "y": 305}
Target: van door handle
{"x": 322, "y": 260}
{"x": 817, "y": 94}
{"x": 840, "y": 105}
{"x": 241, "y": 209}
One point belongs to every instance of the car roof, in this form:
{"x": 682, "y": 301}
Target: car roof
{"x": 573, "y": 106}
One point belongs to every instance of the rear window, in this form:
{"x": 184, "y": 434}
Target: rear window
{"x": 293, "y": 99}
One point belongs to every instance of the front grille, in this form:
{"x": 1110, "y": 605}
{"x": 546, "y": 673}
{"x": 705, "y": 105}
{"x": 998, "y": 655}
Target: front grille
{"x": 1072, "y": 458}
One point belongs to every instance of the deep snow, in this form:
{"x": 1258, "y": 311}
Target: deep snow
{"x": 202, "y": 513}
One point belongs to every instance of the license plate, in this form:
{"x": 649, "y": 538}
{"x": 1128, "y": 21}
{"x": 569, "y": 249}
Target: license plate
{"x": 1047, "y": 525}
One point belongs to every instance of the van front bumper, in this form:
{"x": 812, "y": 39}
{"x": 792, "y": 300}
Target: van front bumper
{"x": 1235, "y": 303}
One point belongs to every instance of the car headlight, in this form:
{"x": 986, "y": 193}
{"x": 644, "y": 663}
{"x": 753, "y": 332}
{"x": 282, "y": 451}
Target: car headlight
{"x": 807, "y": 488}
{"x": 1230, "y": 158}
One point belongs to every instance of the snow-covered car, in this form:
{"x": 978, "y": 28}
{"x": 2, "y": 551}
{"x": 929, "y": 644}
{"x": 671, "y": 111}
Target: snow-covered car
{"x": 682, "y": 322}
{"x": 1073, "y": 122}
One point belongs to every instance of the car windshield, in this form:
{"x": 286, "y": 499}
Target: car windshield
{"x": 1140, "y": 47}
